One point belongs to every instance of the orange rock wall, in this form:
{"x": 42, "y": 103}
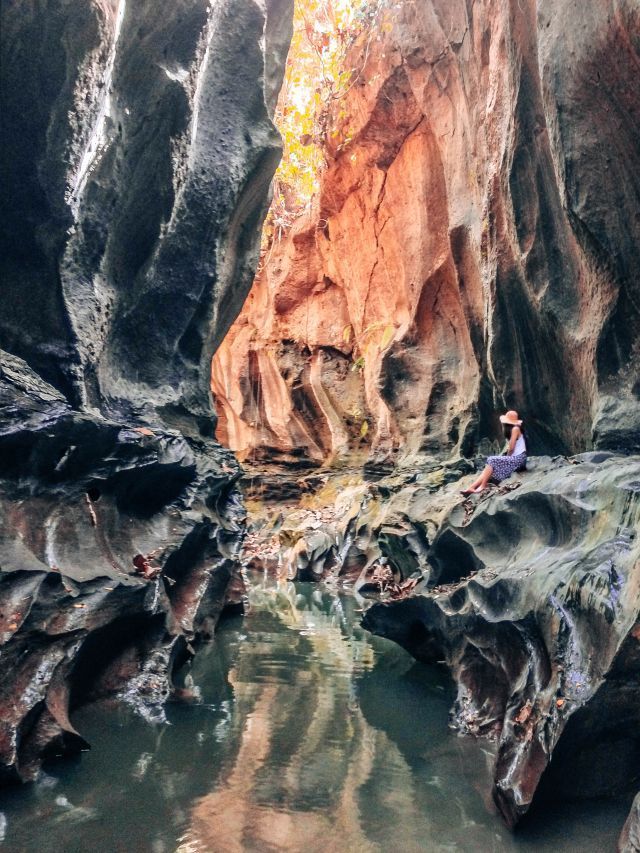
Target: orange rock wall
{"x": 471, "y": 248}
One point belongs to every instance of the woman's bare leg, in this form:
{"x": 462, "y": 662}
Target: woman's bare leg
{"x": 483, "y": 479}
{"x": 481, "y": 482}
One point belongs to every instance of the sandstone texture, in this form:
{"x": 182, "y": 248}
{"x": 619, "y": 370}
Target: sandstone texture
{"x": 532, "y": 601}
{"x": 138, "y": 148}
{"x": 474, "y": 246}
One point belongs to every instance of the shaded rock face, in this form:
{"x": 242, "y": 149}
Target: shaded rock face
{"x": 473, "y": 246}
{"x": 533, "y": 602}
{"x": 138, "y": 153}
{"x": 630, "y": 838}
{"x": 138, "y": 156}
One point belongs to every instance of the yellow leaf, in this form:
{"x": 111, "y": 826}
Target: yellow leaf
{"x": 387, "y": 335}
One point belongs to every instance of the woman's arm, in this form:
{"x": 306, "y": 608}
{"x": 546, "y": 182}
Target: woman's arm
{"x": 515, "y": 432}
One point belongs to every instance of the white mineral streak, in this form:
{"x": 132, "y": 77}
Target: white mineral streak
{"x": 97, "y": 140}
{"x": 50, "y": 528}
{"x": 200, "y": 74}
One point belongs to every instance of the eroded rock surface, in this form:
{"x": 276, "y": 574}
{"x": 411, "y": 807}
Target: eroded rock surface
{"x": 535, "y": 610}
{"x": 138, "y": 149}
{"x": 473, "y": 246}
{"x": 373, "y": 535}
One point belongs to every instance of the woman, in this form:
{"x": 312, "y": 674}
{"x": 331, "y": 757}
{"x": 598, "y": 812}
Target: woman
{"x": 515, "y": 458}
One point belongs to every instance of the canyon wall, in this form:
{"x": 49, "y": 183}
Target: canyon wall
{"x": 138, "y": 148}
{"x": 137, "y": 156}
{"x": 473, "y": 246}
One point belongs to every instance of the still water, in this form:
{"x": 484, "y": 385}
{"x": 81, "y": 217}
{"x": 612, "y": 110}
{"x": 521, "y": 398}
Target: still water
{"x": 307, "y": 734}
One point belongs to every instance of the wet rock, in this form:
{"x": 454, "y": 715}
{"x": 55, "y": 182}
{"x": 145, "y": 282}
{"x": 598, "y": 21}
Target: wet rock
{"x": 536, "y": 615}
{"x": 139, "y": 150}
{"x": 80, "y": 497}
{"x": 356, "y": 528}
{"x": 473, "y": 246}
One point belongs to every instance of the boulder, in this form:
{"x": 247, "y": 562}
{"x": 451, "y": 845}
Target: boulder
{"x": 630, "y": 837}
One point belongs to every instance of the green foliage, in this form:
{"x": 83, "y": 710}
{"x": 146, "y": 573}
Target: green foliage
{"x": 316, "y": 76}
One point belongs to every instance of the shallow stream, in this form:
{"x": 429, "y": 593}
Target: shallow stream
{"x": 306, "y": 734}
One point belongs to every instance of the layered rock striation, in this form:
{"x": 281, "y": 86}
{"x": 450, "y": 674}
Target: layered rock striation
{"x": 137, "y": 155}
{"x": 473, "y": 246}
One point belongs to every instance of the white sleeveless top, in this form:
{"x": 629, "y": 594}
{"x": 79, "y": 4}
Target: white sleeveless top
{"x": 521, "y": 446}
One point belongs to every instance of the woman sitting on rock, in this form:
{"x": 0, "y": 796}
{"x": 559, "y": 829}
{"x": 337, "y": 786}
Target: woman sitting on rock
{"x": 514, "y": 459}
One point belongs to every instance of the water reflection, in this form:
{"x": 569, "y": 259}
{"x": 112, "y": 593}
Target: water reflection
{"x": 309, "y": 735}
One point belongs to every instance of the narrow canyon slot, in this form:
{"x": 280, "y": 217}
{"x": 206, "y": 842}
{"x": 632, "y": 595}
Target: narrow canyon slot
{"x": 320, "y": 426}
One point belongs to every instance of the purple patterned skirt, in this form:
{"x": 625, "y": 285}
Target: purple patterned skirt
{"x": 505, "y": 466}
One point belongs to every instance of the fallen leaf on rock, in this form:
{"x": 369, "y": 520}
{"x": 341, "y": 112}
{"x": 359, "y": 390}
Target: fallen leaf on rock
{"x": 524, "y": 713}
{"x": 560, "y": 703}
{"x": 79, "y": 605}
{"x": 143, "y": 430}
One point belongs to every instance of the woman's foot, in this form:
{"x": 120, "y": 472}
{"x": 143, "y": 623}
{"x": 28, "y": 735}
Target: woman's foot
{"x": 467, "y": 492}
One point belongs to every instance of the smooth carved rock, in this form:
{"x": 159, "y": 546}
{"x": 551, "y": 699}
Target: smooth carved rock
{"x": 80, "y": 498}
{"x": 135, "y": 187}
{"x": 352, "y": 527}
{"x": 139, "y": 149}
{"x": 473, "y": 246}
{"x": 542, "y": 634}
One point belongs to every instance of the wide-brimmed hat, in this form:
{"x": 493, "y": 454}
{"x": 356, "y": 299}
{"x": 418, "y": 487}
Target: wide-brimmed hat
{"x": 510, "y": 418}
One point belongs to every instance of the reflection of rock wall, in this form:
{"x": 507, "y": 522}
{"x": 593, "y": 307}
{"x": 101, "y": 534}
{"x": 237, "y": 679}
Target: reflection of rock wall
{"x": 474, "y": 244}
{"x": 319, "y": 764}
{"x": 138, "y": 153}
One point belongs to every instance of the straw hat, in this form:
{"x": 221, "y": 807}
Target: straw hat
{"x": 510, "y": 418}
